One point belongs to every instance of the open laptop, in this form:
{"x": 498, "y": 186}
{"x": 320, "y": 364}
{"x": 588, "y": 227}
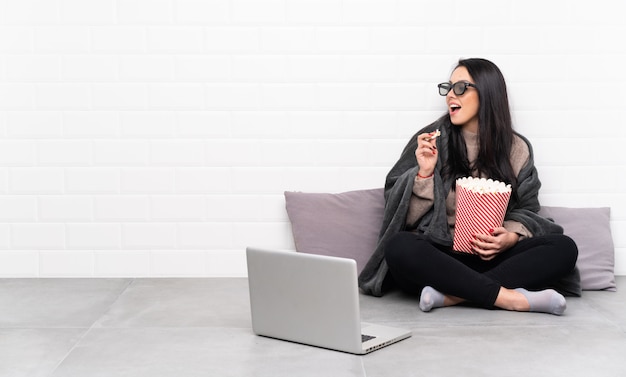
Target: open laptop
{"x": 311, "y": 299}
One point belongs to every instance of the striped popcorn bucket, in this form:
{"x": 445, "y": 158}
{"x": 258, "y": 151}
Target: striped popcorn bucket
{"x": 479, "y": 207}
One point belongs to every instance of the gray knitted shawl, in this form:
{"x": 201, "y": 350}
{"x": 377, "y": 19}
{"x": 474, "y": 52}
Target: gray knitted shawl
{"x": 523, "y": 208}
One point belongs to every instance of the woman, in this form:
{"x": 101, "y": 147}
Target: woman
{"x": 518, "y": 266}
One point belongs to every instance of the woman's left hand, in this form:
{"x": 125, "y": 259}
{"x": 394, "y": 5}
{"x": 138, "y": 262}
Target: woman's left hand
{"x": 488, "y": 246}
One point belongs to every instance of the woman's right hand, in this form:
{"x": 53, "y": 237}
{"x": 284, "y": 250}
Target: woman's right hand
{"x": 426, "y": 153}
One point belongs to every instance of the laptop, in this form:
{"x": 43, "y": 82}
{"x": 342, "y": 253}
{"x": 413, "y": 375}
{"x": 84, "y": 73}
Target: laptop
{"x": 311, "y": 299}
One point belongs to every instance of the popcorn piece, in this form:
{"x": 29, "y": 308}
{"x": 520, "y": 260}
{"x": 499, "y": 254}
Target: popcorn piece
{"x": 434, "y": 136}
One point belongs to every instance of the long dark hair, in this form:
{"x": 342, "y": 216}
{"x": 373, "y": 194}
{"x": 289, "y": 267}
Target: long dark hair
{"x": 495, "y": 128}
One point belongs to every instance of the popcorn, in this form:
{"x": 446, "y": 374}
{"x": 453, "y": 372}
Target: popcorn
{"x": 482, "y": 185}
{"x": 481, "y": 205}
{"x": 436, "y": 134}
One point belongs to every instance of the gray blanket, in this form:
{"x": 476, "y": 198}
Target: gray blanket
{"x": 523, "y": 208}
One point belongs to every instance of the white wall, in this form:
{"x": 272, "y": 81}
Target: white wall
{"x": 156, "y": 137}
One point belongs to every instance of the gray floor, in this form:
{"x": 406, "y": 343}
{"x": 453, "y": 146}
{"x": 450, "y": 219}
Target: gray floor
{"x": 201, "y": 327}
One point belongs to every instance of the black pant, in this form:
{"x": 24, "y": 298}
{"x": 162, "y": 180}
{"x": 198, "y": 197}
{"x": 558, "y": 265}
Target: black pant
{"x": 533, "y": 263}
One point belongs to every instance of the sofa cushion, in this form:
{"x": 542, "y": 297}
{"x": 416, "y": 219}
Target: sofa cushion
{"x": 347, "y": 225}
{"x": 344, "y": 225}
{"x": 591, "y": 230}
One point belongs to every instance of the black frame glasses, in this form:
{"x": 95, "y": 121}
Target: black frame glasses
{"x": 458, "y": 87}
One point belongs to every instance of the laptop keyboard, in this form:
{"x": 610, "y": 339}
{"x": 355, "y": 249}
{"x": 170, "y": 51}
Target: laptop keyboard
{"x": 365, "y": 338}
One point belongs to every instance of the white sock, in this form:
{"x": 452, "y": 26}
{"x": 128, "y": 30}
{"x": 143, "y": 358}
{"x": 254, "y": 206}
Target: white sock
{"x": 546, "y": 301}
{"x": 430, "y": 299}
